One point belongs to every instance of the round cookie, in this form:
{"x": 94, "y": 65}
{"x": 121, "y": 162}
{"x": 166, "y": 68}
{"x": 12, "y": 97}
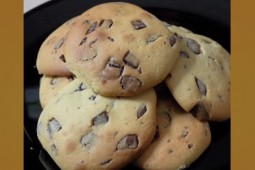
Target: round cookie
{"x": 50, "y": 86}
{"x": 82, "y": 130}
{"x": 179, "y": 141}
{"x": 51, "y": 59}
{"x": 120, "y": 49}
{"x": 200, "y": 79}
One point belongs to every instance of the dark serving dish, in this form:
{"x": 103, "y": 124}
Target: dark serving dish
{"x": 209, "y": 18}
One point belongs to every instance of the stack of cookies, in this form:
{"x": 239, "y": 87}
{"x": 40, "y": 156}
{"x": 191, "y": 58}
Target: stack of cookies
{"x": 100, "y": 108}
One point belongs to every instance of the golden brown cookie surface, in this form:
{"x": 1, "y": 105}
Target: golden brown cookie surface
{"x": 80, "y": 129}
{"x": 200, "y": 79}
{"x": 120, "y": 49}
{"x": 50, "y": 86}
{"x": 51, "y": 59}
{"x": 179, "y": 141}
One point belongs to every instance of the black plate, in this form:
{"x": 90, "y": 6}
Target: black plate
{"x": 209, "y": 18}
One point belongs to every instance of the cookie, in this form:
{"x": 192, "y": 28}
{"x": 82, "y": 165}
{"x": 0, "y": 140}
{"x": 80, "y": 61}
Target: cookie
{"x": 120, "y": 49}
{"x": 175, "y": 28}
{"x": 82, "y": 130}
{"x": 51, "y": 59}
{"x": 180, "y": 139}
{"x": 200, "y": 79}
{"x": 50, "y": 86}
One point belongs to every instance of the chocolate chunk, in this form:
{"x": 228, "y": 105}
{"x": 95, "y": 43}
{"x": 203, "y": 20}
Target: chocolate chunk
{"x": 185, "y": 132}
{"x": 112, "y": 70}
{"x": 130, "y": 83}
{"x": 177, "y": 36}
{"x": 201, "y": 86}
{"x": 86, "y": 22}
{"x": 184, "y": 54}
{"x": 105, "y": 162}
{"x": 131, "y": 60}
{"x": 139, "y": 70}
{"x": 193, "y": 46}
{"x": 106, "y": 23}
{"x": 113, "y": 63}
{"x": 142, "y": 109}
{"x": 172, "y": 40}
{"x": 53, "y": 126}
{"x": 70, "y": 78}
{"x": 102, "y": 118}
{"x": 128, "y": 142}
{"x": 92, "y": 43}
{"x": 81, "y": 87}
{"x": 190, "y": 146}
{"x": 93, "y": 97}
{"x": 220, "y": 97}
{"x": 92, "y": 28}
{"x": 88, "y": 139}
{"x": 54, "y": 81}
{"x": 138, "y": 24}
{"x": 62, "y": 57}
{"x": 54, "y": 149}
{"x": 111, "y": 39}
{"x": 59, "y": 43}
{"x": 83, "y": 40}
{"x": 90, "y": 55}
{"x": 169, "y": 76}
{"x": 121, "y": 70}
{"x": 152, "y": 38}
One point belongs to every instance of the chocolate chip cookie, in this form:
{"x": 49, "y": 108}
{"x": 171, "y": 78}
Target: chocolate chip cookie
{"x": 200, "y": 79}
{"x": 51, "y": 59}
{"x": 180, "y": 139}
{"x": 83, "y": 130}
{"x": 119, "y": 49}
